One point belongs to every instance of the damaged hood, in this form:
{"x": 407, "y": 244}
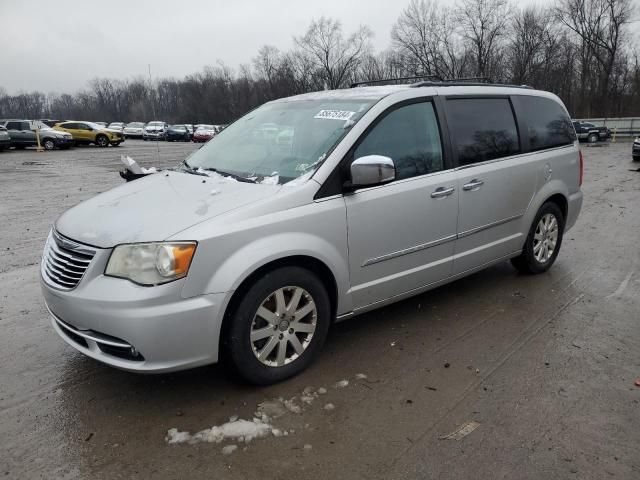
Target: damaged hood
{"x": 156, "y": 207}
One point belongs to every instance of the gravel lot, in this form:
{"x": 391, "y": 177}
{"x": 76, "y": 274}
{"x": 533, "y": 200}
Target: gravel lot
{"x": 544, "y": 364}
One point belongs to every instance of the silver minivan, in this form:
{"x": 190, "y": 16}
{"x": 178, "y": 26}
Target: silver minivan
{"x": 310, "y": 210}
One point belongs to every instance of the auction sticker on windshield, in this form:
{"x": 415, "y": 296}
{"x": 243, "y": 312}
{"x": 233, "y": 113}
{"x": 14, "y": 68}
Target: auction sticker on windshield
{"x": 334, "y": 114}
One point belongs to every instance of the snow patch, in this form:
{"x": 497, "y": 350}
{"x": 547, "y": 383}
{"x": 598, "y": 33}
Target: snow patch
{"x": 322, "y": 390}
{"x": 241, "y": 430}
{"x": 229, "y": 449}
{"x": 361, "y": 376}
{"x": 342, "y": 384}
{"x": 329, "y": 406}
{"x": 273, "y": 179}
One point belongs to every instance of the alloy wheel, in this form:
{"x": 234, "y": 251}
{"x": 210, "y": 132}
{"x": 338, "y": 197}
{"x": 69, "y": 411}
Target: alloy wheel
{"x": 283, "y": 326}
{"x": 545, "y": 238}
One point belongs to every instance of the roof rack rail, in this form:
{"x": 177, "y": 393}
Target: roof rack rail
{"x": 471, "y": 79}
{"x": 465, "y": 83}
{"x": 397, "y": 79}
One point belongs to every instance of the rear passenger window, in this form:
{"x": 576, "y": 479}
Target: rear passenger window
{"x": 483, "y": 129}
{"x": 548, "y": 124}
{"x": 409, "y": 135}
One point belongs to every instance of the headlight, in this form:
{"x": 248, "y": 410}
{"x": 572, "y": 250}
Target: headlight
{"x": 151, "y": 263}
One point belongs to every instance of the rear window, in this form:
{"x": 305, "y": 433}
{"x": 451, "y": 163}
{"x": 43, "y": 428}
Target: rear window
{"x": 548, "y": 124}
{"x": 483, "y": 129}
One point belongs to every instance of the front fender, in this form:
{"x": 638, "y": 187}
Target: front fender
{"x": 246, "y": 260}
{"x": 229, "y": 250}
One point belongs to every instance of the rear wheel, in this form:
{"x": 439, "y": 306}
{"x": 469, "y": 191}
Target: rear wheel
{"x": 102, "y": 141}
{"x": 543, "y": 242}
{"x": 279, "y": 325}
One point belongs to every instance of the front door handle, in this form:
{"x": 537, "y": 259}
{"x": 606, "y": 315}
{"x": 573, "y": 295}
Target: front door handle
{"x": 442, "y": 192}
{"x": 474, "y": 184}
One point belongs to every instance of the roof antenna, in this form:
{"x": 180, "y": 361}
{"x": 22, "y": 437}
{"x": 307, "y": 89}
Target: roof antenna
{"x": 153, "y": 108}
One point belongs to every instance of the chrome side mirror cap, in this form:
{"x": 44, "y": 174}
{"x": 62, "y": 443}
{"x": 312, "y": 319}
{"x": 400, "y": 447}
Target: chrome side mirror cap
{"x": 372, "y": 170}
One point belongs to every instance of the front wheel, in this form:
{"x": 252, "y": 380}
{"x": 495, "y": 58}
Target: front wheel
{"x": 48, "y": 144}
{"x": 592, "y": 138}
{"x": 279, "y": 326}
{"x": 543, "y": 242}
{"x": 102, "y": 141}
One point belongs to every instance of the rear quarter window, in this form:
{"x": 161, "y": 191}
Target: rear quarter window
{"x": 548, "y": 125}
{"x": 483, "y": 129}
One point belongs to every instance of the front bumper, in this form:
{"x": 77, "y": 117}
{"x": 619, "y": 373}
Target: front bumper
{"x": 133, "y": 134}
{"x": 64, "y": 141}
{"x": 635, "y": 150}
{"x": 135, "y": 328}
{"x": 153, "y": 135}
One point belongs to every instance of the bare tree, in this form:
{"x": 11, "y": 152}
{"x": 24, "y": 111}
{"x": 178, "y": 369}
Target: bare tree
{"x": 425, "y": 33}
{"x": 334, "y": 57}
{"x": 482, "y": 24}
{"x": 601, "y": 27}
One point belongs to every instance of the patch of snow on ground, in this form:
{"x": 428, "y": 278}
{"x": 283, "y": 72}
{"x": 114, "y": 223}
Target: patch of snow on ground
{"x": 229, "y": 449}
{"x": 292, "y": 406}
{"x": 342, "y": 384}
{"x": 329, "y": 406}
{"x": 361, "y": 376}
{"x": 322, "y": 390}
{"x": 241, "y": 430}
{"x": 308, "y": 447}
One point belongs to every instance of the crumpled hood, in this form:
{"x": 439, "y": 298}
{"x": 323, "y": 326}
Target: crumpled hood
{"x": 156, "y": 207}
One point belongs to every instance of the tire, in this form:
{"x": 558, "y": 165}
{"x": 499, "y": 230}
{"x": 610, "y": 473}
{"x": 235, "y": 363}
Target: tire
{"x": 144, "y": 138}
{"x": 636, "y": 158}
{"x": 48, "y": 144}
{"x": 102, "y": 141}
{"x": 532, "y": 259}
{"x": 278, "y": 331}
{"x": 592, "y": 138}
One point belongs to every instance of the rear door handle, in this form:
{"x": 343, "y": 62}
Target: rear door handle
{"x": 442, "y": 192}
{"x": 473, "y": 185}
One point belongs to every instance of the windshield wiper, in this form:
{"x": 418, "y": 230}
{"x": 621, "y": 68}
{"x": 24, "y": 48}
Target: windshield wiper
{"x": 229, "y": 174}
{"x": 193, "y": 171}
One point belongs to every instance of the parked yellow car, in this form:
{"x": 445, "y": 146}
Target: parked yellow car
{"x": 89, "y": 132}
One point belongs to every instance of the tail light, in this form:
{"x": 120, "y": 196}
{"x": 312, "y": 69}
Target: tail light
{"x": 581, "y": 169}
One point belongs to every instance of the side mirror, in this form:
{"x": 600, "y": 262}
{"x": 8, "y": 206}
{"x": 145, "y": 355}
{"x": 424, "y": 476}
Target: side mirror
{"x": 372, "y": 170}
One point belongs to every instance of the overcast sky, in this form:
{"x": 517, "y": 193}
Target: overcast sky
{"x": 57, "y": 46}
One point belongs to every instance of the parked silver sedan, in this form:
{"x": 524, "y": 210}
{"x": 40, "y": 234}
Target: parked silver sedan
{"x": 308, "y": 210}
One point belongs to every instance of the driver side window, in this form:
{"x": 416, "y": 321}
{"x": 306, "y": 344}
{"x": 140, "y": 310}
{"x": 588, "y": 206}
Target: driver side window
{"x": 409, "y": 135}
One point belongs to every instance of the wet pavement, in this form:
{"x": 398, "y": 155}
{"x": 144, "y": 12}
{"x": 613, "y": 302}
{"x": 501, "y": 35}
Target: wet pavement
{"x": 544, "y": 365}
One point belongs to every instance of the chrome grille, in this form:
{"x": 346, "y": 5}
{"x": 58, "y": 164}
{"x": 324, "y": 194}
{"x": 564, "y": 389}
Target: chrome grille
{"x": 64, "y": 261}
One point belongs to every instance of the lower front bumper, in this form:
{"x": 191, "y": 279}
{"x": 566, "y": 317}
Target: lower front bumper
{"x": 161, "y": 333}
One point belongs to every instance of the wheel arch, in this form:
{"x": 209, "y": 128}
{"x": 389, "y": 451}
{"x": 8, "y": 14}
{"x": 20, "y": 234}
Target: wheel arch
{"x": 313, "y": 264}
{"x": 562, "y": 202}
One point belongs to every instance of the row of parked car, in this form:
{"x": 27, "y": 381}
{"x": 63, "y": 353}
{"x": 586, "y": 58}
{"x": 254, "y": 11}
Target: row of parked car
{"x": 20, "y": 133}
{"x": 158, "y": 130}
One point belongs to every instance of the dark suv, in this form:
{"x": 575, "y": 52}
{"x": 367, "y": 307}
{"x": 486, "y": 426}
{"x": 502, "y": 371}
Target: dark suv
{"x": 590, "y": 132}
